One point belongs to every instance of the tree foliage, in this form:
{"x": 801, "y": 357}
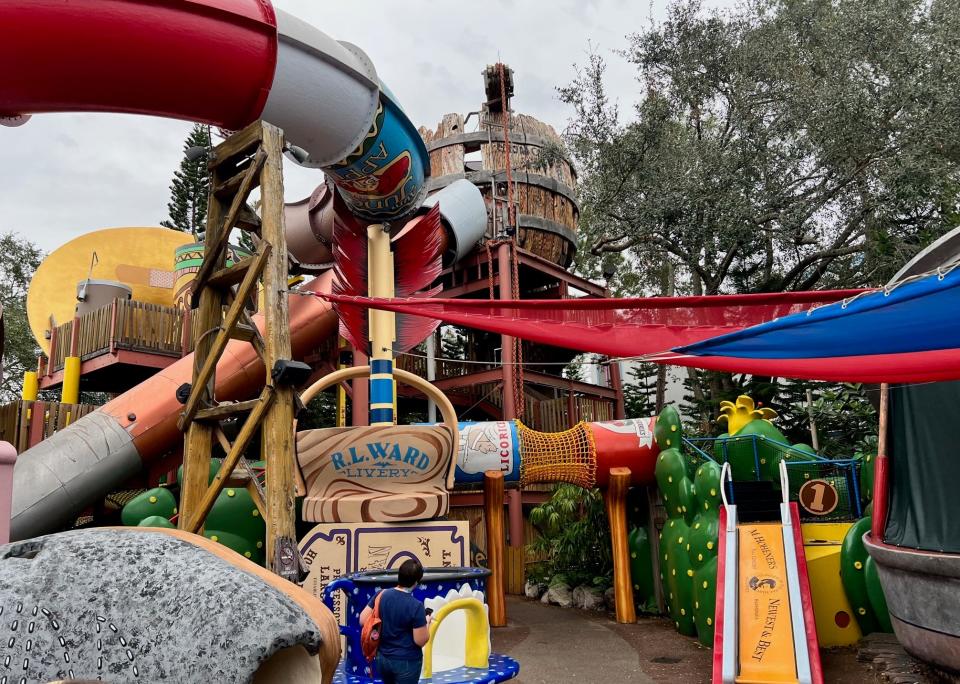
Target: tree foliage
{"x": 19, "y": 258}
{"x": 787, "y": 145}
{"x": 187, "y": 207}
{"x": 783, "y": 145}
{"x": 575, "y": 536}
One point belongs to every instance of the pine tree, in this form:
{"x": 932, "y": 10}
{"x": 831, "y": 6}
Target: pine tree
{"x": 188, "y": 191}
{"x": 640, "y": 391}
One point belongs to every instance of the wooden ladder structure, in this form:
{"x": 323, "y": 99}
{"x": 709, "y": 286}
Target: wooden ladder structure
{"x": 250, "y": 158}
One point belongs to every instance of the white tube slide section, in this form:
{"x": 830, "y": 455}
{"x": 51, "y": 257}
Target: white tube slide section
{"x": 325, "y": 93}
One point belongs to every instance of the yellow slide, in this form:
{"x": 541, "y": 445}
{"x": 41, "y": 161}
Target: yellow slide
{"x": 766, "y": 637}
{"x": 765, "y": 627}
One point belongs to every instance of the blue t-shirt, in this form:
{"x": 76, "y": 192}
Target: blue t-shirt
{"x": 400, "y": 614}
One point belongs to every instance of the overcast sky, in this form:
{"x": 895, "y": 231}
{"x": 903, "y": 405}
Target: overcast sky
{"x": 66, "y": 174}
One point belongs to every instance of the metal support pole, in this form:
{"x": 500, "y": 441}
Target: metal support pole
{"x": 507, "y": 358}
{"x": 616, "y": 382}
{"x": 515, "y": 516}
{"x": 431, "y": 375}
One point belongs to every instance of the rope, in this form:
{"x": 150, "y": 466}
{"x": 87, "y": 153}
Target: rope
{"x": 568, "y": 456}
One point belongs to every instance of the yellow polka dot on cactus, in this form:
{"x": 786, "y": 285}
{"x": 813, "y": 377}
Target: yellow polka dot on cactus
{"x": 738, "y": 414}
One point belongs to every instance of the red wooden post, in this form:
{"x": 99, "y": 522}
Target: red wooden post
{"x": 507, "y": 358}
{"x": 881, "y": 474}
{"x": 515, "y": 516}
{"x": 359, "y": 410}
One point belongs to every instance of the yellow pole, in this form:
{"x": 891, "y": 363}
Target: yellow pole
{"x": 70, "y": 392}
{"x": 31, "y": 386}
{"x": 341, "y": 392}
{"x": 382, "y": 326}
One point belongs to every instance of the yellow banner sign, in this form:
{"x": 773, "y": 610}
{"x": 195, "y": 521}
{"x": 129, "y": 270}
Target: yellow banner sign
{"x": 766, "y": 635}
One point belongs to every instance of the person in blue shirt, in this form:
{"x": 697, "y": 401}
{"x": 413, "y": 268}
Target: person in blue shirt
{"x": 404, "y": 628}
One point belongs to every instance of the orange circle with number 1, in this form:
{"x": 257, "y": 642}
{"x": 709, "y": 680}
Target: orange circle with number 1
{"x": 818, "y": 497}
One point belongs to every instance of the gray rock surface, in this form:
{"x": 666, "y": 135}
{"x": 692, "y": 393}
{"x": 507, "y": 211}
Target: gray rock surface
{"x": 560, "y": 595}
{"x": 588, "y": 598}
{"x": 138, "y": 606}
{"x": 533, "y": 590}
{"x": 610, "y": 598}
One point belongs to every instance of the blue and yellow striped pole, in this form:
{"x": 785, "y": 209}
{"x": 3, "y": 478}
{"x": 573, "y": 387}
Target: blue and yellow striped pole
{"x": 383, "y": 329}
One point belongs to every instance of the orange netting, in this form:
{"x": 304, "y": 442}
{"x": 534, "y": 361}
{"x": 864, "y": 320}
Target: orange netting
{"x": 569, "y": 456}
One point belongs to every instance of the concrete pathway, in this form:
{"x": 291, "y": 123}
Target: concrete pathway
{"x": 556, "y": 645}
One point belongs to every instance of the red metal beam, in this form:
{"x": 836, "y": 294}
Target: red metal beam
{"x": 537, "y": 263}
{"x": 105, "y": 360}
{"x": 470, "y": 288}
{"x": 529, "y": 377}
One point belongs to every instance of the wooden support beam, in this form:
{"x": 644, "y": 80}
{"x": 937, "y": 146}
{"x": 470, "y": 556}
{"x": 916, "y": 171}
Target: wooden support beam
{"x": 231, "y": 275}
{"x": 199, "y": 514}
{"x": 215, "y": 245}
{"x": 219, "y": 343}
{"x": 227, "y": 410}
{"x": 248, "y": 220}
{"x": 244, "y": 333}
{"x": 493, "y": 517}
{"x": 239, "y": 144}
{"x": 278, "y": 439}
{"x": 616, "y": 504}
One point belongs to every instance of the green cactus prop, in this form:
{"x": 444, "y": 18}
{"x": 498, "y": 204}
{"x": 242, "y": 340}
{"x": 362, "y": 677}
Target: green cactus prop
{"x": 156, "y": 521}
{"x": 233, "y": 520}
{"x": 854, "y": 560}
{"x": 677, "y": 575}
{"x": 875, "y": 591}
{"x": 641, "y": 567}
{"x": 688, "y": 543}
{"x": 158, "y": 502}
{"x": 705, "y": 600}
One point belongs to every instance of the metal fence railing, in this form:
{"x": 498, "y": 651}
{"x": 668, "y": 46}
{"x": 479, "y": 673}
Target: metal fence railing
{"x": 827, "y": 490}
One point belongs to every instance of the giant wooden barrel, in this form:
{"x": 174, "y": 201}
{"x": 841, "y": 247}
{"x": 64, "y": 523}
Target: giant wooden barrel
{"x": 543, "y": 194}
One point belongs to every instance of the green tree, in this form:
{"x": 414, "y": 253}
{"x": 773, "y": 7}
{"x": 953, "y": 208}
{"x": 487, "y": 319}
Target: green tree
{"x": 783, "y": 145}
{"x": 640, "y": 391}
{"x": 187, "y": 207}
{"x": 19, "y": 258}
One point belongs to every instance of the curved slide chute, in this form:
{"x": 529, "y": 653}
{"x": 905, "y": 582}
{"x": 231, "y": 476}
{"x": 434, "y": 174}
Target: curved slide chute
{"x": 222, "y": 62}
{"x": 225, "y": 63}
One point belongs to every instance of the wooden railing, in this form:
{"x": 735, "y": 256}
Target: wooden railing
{"x": 27, "y": 423}
{"x": 446, "y": 368}
{"x": 124, "y": 324}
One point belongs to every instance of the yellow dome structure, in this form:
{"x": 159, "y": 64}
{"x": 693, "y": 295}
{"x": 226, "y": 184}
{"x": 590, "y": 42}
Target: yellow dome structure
{"x": 141, "y": 258}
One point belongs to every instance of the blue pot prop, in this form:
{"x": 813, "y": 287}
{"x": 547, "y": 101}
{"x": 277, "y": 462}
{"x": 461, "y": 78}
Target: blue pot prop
{"x": 384, "y": 179}
{"x": 439, "y": 586}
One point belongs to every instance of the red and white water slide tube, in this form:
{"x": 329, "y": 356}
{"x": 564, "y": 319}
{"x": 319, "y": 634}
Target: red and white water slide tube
{"x": 222, "y": 62}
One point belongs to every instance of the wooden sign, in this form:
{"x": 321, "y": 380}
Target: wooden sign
{"x": 335, "y": 550}
{"x": 818, "y": 497}
{"x": 389, "y": 473}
